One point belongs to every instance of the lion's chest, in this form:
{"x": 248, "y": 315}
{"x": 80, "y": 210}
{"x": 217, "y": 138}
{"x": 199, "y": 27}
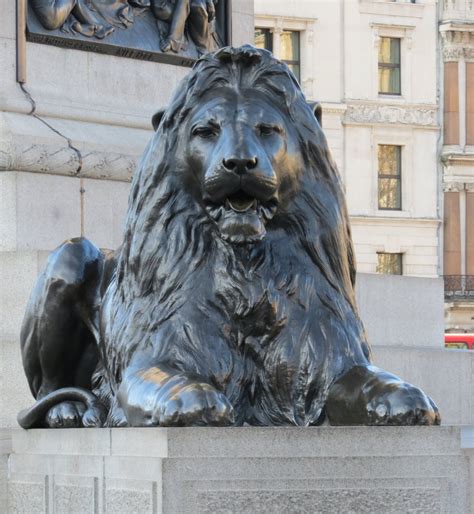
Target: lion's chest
{"x": 256, "y": 310}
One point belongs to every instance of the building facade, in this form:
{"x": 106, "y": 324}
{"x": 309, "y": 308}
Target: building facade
{"x": 457, "y": 70}
{"x": 373, "y": 64}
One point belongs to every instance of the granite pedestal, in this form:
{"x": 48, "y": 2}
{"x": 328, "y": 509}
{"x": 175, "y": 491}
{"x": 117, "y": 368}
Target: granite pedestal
{"x": 240, "y": 470}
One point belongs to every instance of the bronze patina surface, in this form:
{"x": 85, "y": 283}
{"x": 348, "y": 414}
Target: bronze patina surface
{"x": 231, "y": 299}
{"x": 170, "y": 31}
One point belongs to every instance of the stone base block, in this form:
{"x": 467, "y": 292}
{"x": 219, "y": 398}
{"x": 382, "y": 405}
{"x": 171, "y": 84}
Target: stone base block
{"x": 446, "y": 375}
{"x": 393, "y": 314}
{"x": 274, "y": 470}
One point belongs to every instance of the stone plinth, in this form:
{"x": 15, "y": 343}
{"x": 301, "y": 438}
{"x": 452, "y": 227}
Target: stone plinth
{"x": 197, "y": 470}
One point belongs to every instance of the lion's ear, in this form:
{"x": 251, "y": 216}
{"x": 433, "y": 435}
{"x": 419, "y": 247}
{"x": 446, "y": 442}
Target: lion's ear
{"x": 317, "y": 109}
{"x": 156, "y": 118}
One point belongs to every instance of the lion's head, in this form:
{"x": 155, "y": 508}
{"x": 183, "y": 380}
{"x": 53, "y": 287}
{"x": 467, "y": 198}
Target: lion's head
{"x": 238, "y": 155}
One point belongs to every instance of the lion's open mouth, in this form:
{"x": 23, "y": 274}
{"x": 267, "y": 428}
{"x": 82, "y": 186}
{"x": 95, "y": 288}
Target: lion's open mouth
{"x": 241, "y": 217}
{"x": 241, "y": 202}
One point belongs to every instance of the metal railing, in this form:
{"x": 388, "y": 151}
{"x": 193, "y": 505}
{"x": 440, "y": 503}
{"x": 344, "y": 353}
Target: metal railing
{"x": 459, "y": 287}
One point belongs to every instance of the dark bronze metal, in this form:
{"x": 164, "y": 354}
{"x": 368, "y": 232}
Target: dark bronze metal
{"x": 231, "y": 300}
{"x": 169, "y": 31}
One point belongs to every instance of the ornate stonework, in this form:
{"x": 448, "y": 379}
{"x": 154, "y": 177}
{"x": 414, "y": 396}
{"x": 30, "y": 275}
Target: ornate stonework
{"x": 452, "y": 53}
{"x": 405, "y": 115}
{"x": 47, "y": 158}
{"x": 453, "y": 187}
{"x": 457, "y": 44}
{"x": 469, "y": 53}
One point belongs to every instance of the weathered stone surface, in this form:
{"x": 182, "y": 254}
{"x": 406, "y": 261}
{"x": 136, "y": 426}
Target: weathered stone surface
{"x": 74, "y": 498}
{"x": 26, "y": 497}
{"x": 219, "y": 470}
{"x": 120, "y": 501}
{"x": 93, "y": 150}
{"x": 318, "y": 499}
{"x": 5, "y": 450}
{"x": 14, "y": 391}
{"x": 402, "y": 311}
{"x": 104, "y": 208}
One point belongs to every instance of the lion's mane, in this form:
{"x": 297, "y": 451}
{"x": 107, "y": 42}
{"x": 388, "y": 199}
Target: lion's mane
{"x": 169, "y": 239}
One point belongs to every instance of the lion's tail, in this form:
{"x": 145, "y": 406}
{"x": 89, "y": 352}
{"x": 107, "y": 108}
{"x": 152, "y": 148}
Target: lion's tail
{"x": 94, "y": 415}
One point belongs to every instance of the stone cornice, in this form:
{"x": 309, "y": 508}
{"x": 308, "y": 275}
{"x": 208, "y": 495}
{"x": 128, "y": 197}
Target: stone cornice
{"x": 368, "y": 113}
{"x": 457, "y": 158}
{"x": 392, "y": 220}
{"x": 333, "y": 108}
{"x": 457, "y": 185}
{"x": 458, "y": 41}
{"x": 36, "y": 157}
{"x": 39, "y": 149}
{"x": 453, "y": 187}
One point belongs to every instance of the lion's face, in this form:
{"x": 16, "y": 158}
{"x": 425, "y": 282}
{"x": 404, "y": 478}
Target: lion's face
{"x": 245, "y": 161}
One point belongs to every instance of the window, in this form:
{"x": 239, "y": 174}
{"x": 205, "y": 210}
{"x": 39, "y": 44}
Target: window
{"x": 389, "y": 66}
{"x": 451, "y": 103}
{"x": 290, "y": 50}
{"x": 287, "y": 46}
{"x": 264, "y": 39}
{"x": 389, "y": 177}
{"x": 389, "y": 263}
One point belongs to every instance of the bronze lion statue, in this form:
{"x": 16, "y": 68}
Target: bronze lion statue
{"x": 231, "y": 300}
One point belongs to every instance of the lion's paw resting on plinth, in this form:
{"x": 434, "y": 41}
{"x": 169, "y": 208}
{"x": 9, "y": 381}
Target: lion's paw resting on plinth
{"x": 231, "y": 299}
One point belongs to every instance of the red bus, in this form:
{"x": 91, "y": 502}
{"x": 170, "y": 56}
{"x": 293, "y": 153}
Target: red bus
{"x": 464, "y": 341}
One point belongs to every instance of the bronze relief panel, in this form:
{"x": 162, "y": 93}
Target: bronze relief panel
{"x": 169, "y": 31}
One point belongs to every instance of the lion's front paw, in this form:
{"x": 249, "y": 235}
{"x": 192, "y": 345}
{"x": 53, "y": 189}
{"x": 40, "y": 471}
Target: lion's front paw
{"x": 196, "y": 404}
{"x": 367, "y": 395}
{"x": 158, "y": 398}
{"x": 402, "y": 404}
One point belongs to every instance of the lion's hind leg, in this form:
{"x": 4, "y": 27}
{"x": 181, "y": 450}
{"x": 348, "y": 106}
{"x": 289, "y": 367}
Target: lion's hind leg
{"x": 58, "y": 336}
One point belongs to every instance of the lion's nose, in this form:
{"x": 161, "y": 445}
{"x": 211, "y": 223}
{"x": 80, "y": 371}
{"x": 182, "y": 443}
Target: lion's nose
{"x": 240, "y": 165}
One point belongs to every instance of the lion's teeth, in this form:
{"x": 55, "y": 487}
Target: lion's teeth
{"x": 241, "y": 206}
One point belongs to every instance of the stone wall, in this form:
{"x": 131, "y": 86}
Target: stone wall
{"x": 402, "y": 311}
{"x": 245, "y": 470}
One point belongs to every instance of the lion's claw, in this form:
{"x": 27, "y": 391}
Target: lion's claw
{"x": 402, "y": 405}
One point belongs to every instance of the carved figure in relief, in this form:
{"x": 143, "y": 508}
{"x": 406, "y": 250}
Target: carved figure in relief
{"x": 195, "y": 16}
{"x": 231, "y": 299}
{"x": 96, "y": 18}
{"x": 99, "y": 18}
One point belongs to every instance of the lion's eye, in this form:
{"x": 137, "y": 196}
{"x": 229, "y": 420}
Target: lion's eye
{"x": 267, "y": 130}
{"x": 205, "y": 131}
